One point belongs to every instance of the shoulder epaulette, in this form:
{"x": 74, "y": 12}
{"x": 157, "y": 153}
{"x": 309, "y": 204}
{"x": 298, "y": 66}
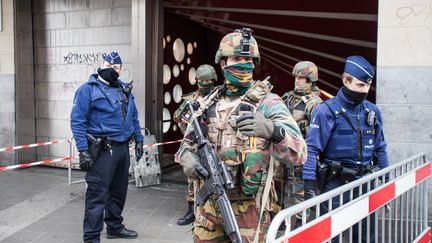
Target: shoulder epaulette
{"x": 333, "y": 106}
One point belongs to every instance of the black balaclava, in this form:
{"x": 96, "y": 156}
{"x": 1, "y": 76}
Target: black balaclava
{"x": 109, "y": 75}
{"x": 354, "y": 96}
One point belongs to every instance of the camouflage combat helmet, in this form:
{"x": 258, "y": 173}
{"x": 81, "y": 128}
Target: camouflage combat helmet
{"x": 306, "y": 69}
{"x": 238, "y": 43}
{"x": 206, "y": 72}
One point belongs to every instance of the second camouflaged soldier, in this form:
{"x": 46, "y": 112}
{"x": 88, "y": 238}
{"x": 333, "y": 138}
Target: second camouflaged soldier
{"x": 301, "y": 102}
{"x": 249, "y": 127}
{"x": 205, "y": 77}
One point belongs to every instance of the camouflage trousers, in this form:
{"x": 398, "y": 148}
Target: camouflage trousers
{"x": 209, "y": 227}
{"x": 280, "y": 178}
{"x": 297, "y": 184}
{"x": 190, "y": 197}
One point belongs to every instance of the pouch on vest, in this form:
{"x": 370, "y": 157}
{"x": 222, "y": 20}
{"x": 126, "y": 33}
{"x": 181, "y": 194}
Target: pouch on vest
{"x": 335, "y": 170}
{"x": 251, "y": 173}
{"x": 347, "y": 174}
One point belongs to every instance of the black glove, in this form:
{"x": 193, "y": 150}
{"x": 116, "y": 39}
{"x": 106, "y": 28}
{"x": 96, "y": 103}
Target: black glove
{"x": 85, "y": 160}
{"x": 309, "y": 189}
{"x": 139, "y": 150}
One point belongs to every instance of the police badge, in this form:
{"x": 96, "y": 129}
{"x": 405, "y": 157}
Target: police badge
{"x": 371, "y": 118}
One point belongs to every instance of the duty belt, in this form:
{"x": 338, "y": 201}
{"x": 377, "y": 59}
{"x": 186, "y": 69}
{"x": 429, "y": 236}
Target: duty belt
{"x": 107, "y": 142}
{"x": 348, "y": 172}
{"x": 115, "y": 143}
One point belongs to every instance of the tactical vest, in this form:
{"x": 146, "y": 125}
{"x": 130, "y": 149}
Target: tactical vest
{"x": 298, "y": 105}
{"x": 353, "y": 137}
{"x": 234, "y": 149}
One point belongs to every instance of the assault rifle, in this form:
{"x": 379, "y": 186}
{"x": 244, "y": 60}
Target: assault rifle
{"x": 219, "y": 176}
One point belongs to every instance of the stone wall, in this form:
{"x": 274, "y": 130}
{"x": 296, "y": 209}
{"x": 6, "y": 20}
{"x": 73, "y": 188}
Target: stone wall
{"x": 7, "y": 82}
{"x": 404, "y": 76}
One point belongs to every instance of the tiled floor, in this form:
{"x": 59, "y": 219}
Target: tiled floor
{"x": 37, "y": 205}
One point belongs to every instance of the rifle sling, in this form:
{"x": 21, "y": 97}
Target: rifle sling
{"x": 265, "y": 196}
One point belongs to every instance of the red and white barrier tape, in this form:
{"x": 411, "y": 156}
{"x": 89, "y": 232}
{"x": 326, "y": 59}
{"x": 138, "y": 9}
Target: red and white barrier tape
{"x": 33, "y": 145}
{"x": 157, "y": 144}
{"x": 163, "y": 143}
{"x": 63, "y": 141}
{"x": 62, "y": 159}
{"x": 333, "y": 225}
{"x": 44, "y": 162}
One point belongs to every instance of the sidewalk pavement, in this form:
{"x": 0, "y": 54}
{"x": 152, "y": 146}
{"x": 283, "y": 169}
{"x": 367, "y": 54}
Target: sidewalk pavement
{"x": 37, "y": 205}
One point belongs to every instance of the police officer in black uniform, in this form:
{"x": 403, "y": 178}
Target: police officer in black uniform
{"x": 104, "y": 119}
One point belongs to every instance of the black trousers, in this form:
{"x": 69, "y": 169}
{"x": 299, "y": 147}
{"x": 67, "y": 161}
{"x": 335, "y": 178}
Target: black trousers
{"x": 107, "y": 184}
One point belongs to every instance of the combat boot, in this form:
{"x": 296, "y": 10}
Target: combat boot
{"x": 189, "y": 217}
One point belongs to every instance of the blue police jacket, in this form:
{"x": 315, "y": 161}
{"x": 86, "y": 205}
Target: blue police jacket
{"x": 97, "y": 110}
{"x": 333, "y": 138}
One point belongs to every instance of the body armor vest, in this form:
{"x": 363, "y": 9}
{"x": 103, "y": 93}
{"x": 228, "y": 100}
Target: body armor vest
{"x": 233, "y": 148}
{"x": 353, "y": 135}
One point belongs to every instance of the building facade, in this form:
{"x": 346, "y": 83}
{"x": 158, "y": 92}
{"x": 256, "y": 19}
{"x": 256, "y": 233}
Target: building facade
{"x": 48, "y": 48}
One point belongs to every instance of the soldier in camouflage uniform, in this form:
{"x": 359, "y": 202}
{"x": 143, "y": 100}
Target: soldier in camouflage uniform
{"x": 250, "y": 129}
{"x": 205, "y": 77}
{"x": 301, "y": 102}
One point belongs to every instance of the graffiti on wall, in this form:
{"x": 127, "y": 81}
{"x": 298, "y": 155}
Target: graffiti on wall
{"x": 78, "y": 58}
{"x": 70, "y": 86}
{"x": 414, "y": 12}
{"x": 63, "y": 79}
{"x": 71, "y": 76}
{"x": 418, "y": 18}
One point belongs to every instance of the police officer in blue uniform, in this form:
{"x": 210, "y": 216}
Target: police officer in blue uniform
{"x": 346, "y": 135}
{"x": 104, "y": 119}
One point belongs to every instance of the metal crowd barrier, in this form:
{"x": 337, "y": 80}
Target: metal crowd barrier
{"x": 395, "y": 211}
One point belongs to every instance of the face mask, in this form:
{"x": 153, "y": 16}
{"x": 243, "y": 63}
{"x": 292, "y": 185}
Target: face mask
{"x": 304, "y": 88}
{"x": 204, "y": 89}
{"x": 109, "y": 75}
{"x": 354, "y": 96}
{"x": 238, "y": 78}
